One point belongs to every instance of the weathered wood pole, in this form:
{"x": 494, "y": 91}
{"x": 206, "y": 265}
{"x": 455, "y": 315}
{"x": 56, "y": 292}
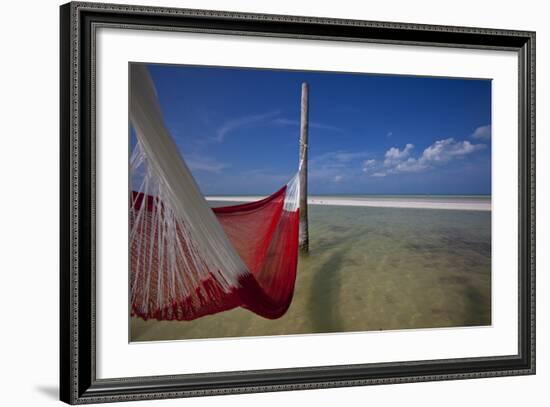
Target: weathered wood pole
{"x": 303, "y": 235}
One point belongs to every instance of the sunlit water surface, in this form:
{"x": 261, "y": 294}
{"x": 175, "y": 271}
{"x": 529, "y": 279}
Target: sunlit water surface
{"x": 370, "y": 269}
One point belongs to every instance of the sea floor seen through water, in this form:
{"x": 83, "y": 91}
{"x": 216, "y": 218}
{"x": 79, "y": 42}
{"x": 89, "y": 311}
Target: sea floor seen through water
{"x": 370, "y": 269}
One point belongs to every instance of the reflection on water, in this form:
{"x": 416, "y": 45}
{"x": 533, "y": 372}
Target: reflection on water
{"x": 370, "y": 269}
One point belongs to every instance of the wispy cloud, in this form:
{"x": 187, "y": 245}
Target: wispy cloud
{"x": 255, "y": 181}
{"x": 314, "y": 125}
{"x": 268, "y": 118}
{"x": 267, "y": 174}
{"x": 338, "y": 156}
{"x": 204, "y": 163}
{"x": 482, "y": 133}
{"x": 244, "y": 121}
{"x": 369, "y": 164}
{"x": 336, "y": 166}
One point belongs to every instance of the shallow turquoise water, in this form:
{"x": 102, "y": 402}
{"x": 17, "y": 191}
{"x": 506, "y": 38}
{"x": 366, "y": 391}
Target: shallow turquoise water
{"x": 370, "y": 269}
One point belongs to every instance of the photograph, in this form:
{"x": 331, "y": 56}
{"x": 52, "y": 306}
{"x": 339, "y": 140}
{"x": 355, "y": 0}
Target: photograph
{"x": 256, "y": 201}
{"x": 290, "y": 202}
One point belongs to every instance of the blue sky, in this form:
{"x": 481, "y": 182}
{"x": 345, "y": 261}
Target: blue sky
{"x": 238, "y": 130}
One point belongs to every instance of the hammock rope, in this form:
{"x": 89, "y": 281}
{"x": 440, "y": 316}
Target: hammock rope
{"x": 188, "y": 260}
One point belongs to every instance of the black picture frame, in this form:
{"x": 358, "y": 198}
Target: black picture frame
{"x": 78, "y": 382}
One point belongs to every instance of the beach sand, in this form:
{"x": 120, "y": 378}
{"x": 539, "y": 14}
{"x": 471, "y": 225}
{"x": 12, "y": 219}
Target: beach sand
{"x": 450, "y": 203}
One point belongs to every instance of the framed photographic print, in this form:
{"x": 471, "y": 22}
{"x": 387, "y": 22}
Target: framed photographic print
{"x": 257, "y": 203}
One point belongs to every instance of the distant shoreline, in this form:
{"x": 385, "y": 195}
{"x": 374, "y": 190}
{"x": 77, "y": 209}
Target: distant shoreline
{"x": 432, "y": 202}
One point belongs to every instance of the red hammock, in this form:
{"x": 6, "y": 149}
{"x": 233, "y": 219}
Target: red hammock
{"x": 187, "y": 260}
{"x": 263, "y": 233}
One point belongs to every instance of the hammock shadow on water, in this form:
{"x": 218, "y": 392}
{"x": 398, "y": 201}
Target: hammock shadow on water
{"x": 325, "y": 293}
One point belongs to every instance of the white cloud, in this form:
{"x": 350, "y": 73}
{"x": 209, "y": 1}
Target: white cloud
{"x": 400, "y": 161}
{"x": 482, "y": 133}
{"x": 410, "y": 165}
{"x": 338, "y": 178}
{"x": 445, "y": 150}
{"x": 394, "y": 155}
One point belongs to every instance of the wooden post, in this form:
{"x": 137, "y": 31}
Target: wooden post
{"x": 303, "y": 236}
